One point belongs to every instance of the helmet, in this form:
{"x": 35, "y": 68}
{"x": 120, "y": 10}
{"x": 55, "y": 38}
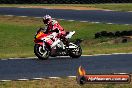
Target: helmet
{"x": 47, "y": 19}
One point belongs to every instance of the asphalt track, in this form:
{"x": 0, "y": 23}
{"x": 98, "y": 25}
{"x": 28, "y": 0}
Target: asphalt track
{"x": 14, "y": 69}
{"x": 79, "y": 15}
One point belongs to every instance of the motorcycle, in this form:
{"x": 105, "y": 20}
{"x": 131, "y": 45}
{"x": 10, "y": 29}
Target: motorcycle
{"x": 49, "y": 45}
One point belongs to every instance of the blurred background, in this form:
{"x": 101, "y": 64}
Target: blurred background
{"x": 62, "y": 1}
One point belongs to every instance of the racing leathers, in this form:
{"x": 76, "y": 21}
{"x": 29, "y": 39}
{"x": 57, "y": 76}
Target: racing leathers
{"x": 54, "y": 26}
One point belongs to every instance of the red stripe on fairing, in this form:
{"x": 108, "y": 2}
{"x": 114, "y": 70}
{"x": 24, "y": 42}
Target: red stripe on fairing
{"x": 40, "y": 43}
{"x": 50, "y": 42}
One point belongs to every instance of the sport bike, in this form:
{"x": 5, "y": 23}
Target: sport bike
{"x": 49, "y": 45}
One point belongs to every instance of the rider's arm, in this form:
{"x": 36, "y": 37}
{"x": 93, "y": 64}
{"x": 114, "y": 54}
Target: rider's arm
{"x": 55, "y": 30}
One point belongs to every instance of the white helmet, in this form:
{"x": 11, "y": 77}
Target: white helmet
{"x": 47, "y": 19}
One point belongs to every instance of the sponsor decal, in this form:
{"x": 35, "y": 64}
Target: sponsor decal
{"x": 83, "y": 78}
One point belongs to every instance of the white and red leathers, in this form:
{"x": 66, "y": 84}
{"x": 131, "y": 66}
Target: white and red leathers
{"x": 54, "y": 25}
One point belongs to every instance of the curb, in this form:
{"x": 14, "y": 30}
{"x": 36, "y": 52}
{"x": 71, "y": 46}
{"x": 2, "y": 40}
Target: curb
{"x": 68, "y": 56}
{"x": 37, "y": 78}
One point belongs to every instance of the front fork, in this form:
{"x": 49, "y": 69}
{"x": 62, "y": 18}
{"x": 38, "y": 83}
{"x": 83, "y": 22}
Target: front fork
{"x": 43, "y": 45}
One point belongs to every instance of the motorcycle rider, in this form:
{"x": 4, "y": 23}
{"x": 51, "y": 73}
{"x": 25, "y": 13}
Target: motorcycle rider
{"x": 54, "y": 26}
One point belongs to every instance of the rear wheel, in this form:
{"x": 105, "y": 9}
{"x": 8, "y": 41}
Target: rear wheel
{"x": 76, "y": 53}
{"x": 42, "y": 54}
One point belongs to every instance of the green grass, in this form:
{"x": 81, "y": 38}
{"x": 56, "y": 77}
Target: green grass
{"x": 16, "y": 40}
{"x": 17, "y": 35}
{"x": 119, "y": 7}
{"x": 113, "y": 6}
{"x": 58, "y": 83}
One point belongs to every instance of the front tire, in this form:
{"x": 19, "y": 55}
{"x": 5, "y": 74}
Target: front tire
{"x": 40, "y": 53}
{"x": 76, "y": 53}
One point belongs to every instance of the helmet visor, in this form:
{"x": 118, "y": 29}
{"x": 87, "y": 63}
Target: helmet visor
{"x": 45, "y": 21}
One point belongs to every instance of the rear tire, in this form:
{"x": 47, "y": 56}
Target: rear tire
{"x": 40, "y": 53}
{"x": 76, "y": 53}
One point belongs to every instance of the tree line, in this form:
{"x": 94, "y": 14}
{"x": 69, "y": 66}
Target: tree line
{"x": 62, "y": 1}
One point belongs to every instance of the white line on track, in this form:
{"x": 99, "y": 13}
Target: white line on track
{"x": 83, "y": 21}
{"x": 68, "y": 56}
{"x": 121, "y": 73}
{"x": 37, "y": 78}
{"x": 71, "y": 76}
{"x": 95, "y": 22}
{"x": 15, "y": 58}
{"x": 109, "y": 10}
{"x": 8, "y": 15}
{"x": 108, "y": 54}
{"x": 126, "y": 24}
{"x": 54, "y": 77}
{"x": 5, "y": 80}
{"x": 61, "y": 19}
{"x": 46, "y": 8}
{"x": 32, "y": 57}
{"x": 3, "y": 59}
{"x": 110, "y": 23}
{"x": 47, "y": 78}
{"x": 129, "y": 11}
{"x": 70, "y": 20}
{"x": 121, "y": 53}
{"x": 22, "y": 16}
{"x": 21, "y": 58}
{"x": 22, "y": 79}
{"x": 97, "y": 55}
{"x": 53, "y": 18}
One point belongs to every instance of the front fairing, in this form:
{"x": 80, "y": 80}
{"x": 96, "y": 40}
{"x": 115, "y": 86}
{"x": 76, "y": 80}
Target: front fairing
{"x": 38, "y": 37}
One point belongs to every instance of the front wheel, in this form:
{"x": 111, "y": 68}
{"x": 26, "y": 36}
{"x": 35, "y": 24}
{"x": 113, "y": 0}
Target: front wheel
{"x": 42, "y": 54}
{"x": 76, "y": 53}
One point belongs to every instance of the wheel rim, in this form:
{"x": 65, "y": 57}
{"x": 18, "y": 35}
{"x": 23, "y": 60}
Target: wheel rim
{"x": 43, "y": 53}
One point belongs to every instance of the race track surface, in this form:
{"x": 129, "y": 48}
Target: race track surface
{"x": 79, "y": 15}
{"x": 61, "y": 67}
